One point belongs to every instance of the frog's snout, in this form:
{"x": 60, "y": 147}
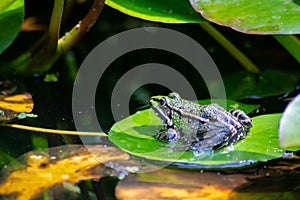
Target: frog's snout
{"x": 153, "y": 101}
{"x": 159, "y": 100}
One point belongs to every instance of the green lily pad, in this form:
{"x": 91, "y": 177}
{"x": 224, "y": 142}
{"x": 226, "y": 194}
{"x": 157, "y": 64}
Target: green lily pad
{"x": 135, "y": 136}
{"x": 248, "y": 16}
{"x": 11, "y": 18}
{"x": 289, "y": 130}
{"x": 168, "y": 11}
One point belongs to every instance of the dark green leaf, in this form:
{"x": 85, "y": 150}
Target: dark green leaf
{"x": 11, "y": 18}
{"x": 135, "y": 135}
{"x": 257, "y": 86}
{"x": 168, "y": 11}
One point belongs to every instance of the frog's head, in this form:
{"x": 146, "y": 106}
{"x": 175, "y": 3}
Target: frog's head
{"x": 163, "y": 105}
{"x": 158, "y": 102}
{"x": 164, "y": 101}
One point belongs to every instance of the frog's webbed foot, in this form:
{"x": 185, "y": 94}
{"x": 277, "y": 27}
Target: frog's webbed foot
{"x": 167, "y": 135}
{"x": 242, "y": 118}
{"x": 200, "y": 150}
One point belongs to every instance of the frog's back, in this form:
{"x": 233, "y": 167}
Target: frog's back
{"x": 213, "y": 111}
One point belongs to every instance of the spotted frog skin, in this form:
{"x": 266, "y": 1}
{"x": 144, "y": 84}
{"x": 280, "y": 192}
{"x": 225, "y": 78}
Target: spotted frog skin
{"x": 198, "y": 127}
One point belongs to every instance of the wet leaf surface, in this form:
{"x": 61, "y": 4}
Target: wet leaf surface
{"x": 135, "y": 136}
{"x": 258, "y": 17}
{"x": 37, "y": 171}
{"x": 263, "y": 182}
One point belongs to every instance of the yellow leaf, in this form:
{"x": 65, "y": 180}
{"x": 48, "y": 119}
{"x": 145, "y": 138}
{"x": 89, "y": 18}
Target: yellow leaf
{"x": 17, "y": 103}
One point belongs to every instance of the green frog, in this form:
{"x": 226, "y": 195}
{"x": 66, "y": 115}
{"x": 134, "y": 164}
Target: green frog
{"x": 200, "y": 128}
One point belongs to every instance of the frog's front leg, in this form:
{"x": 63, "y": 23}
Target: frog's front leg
{"x": 169, "y": 134}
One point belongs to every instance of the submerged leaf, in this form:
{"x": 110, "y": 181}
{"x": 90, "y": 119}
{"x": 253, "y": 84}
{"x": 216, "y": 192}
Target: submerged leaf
{"x": 17, "y": 103}
{"x": 289, "y": 130}
{"x": 13, "y": 102}
{"x": 265, "y": 183}
{"x": 15, "y": 106}
{"x": 135, "y": 135}
{"x": 70, "y": 163}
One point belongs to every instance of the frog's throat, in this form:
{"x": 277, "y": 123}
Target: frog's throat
{"x": 163, "y": 116}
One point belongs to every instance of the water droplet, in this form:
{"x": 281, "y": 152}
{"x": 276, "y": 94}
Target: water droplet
{"x": 276, "y": 17}
{"x": 78, "y": 25}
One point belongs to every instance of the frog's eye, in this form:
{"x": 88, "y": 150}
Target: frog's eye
{"x": 174, "y": 95}
{"x": 162, "y": 101}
